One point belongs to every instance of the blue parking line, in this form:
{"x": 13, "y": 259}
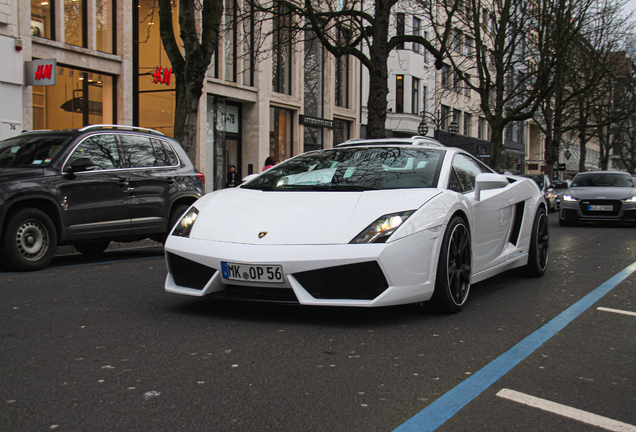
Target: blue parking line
{"x": 438, "y": 412}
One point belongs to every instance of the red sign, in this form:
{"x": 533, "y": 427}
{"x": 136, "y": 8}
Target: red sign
{"x": 162, "y": 75}
{"x": 43, "y": 72}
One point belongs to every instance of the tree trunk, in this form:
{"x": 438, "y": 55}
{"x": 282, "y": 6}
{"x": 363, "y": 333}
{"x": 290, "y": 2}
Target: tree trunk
{"x": 188, "y": 95}
{"x": 496, "y": 141}
{"x": 582, "y": 148}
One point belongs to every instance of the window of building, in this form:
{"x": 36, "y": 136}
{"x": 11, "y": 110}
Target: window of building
{"x": 468, "y": 120}
{"x": 415, "y": 96}
{"x": 105, "y": 26}
{"x": 248, "y": 45}
{"x": 481, "y": 126}
{"x": 425, "y": 52}
{"x": 342, "y": 78}
{"x": 280, "y": 133}
{"x": 466, "y": 86}
{"x": 457, "y": 41}
{"x": 341, "y": 131}
{"x": 399, "y": 93}
{"x": 417, "y": 24}
{"x": 468, "y": 46}
{"x": 75, "y": 22}
{"x": 230, "y": 39}
{"x": 444, "y": 120}
{"x": 444, "y": 77}
{"x": 457, "y": 118}
{"x": 424, "y": 94}
{"x": 313, "y": 90}
{"x": 399, "y": 28}
{"x": 80, "y": 98}
{"x": 282, "y": 52}
{"x": 42, "y": 19}
{"x": 457, "y": 82}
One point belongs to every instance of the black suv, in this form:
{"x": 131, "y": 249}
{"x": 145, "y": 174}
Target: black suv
{"x": 89, "y": 187}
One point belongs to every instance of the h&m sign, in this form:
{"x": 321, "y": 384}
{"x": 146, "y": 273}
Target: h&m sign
{"x": 40, "y": 72}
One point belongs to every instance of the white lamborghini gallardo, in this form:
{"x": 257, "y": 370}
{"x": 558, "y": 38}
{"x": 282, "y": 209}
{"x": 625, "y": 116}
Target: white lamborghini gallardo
{"x": 367, "y": 223}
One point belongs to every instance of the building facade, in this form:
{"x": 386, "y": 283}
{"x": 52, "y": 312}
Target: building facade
{"x": 79, "y": 62}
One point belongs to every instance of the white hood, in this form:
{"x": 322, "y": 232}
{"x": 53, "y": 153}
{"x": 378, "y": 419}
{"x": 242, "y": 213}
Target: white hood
{"x": 239, "y": 215}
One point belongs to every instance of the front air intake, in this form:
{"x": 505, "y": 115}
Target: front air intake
{"x": 361, "y": 281}
{"x": 188, "y": 273}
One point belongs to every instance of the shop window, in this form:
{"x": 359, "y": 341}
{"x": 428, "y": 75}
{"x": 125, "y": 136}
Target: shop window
{"x": 75, "y": 22}
{"x": 80, "y": 98}
{"x": 105, "y": 26}
{"x": 156, "y": 83}
{"x": 280, "y": 134}
{"x": 42, "y": 18}
{"x": 313, "y": 138}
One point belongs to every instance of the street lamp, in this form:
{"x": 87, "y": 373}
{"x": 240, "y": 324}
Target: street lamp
{"x": 422, "y": 128}
{"x": 453, "y": 128}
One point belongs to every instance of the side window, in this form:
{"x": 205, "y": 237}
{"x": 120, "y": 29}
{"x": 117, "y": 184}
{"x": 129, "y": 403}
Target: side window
{"x": 101, "y": 149}
{"x": 165, "y": 153}
{"x": 139, "y": 151}
{"x": 466, "y": 170}
{"x": 453, "y": 183}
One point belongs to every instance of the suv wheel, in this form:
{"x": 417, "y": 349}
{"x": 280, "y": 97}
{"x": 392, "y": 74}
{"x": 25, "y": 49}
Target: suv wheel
{"x": 29, "y": 239}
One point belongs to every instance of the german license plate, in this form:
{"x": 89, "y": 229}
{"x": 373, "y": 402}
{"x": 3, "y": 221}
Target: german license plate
{"x": 251, "y": 272}
{"x": 600, "y": 208}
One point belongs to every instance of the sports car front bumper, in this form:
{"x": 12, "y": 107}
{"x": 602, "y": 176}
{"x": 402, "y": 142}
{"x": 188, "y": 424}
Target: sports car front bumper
{"x": 369, "y": 275}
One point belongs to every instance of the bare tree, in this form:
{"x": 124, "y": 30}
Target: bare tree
{"x": 358, "y": 29}
{"x": 512, "y": 63}
{"x": 199, "y": 23}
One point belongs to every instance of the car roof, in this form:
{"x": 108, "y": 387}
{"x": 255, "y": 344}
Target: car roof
{"x": 414, "y": 140}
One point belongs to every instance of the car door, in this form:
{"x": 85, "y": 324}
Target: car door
{"x": 97, "y": 202}
{"x": 152, "y": 177}
{"x": 491, "y": 215}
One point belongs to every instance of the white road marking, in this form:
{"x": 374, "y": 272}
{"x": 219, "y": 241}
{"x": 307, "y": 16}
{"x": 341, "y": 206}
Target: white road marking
{"x": 566, "y": 411}
{"x": 617, "y": 311}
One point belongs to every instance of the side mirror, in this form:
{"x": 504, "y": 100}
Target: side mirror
{"x": 80, "y": 165}
{"x": 488, "y": 181}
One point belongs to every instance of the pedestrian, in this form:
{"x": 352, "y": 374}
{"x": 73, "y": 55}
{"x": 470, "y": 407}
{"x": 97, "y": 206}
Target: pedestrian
{"x": 269, "y": 162}
{"x": 232, "y": 177}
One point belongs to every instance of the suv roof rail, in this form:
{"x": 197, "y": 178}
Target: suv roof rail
{"x": 120, "y": 127}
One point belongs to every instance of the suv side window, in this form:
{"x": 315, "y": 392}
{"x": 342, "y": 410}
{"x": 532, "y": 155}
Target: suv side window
{"x": 101, "y": 149}
{"x": 146, "y": 152}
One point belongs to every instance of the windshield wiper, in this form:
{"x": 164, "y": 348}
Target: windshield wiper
{"x": 259, "y": 187}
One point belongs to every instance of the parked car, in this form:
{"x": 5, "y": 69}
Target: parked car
{"x": 547, "y": 189}
{"x": 88, "y": 187}
{"x": 367, "y": 223}
{"x": 601, "y": 196}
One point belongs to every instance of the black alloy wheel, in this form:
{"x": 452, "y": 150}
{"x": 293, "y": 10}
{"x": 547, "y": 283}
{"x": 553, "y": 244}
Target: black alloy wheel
{"x": 454, "y": 267}
{"x": 539, "y": 252}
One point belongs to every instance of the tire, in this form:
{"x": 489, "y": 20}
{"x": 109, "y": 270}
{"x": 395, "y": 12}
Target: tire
{"x": 539, "y": 251}
{"x": 454, "y": 268}
{"x": 92, "y": 249}
{"x": 29, "y": 240}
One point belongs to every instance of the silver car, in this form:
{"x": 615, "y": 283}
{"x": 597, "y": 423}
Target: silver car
{"x": 599, "y": 196}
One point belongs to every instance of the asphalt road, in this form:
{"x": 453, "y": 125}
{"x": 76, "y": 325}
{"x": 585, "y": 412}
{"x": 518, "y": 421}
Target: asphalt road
{"x": 99, "y": 346}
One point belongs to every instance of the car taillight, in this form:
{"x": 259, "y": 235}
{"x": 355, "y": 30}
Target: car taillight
{"x": 201, "y": 177}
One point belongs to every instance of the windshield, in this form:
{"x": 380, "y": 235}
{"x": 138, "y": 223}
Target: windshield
{"x": 354, "y": 169}
{"x": 30, "y": 150}
{"x": 602, "y": 180}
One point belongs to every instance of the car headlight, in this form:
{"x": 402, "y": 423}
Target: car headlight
{"x": 569, "y": 198}
{"x": 631, "y": 200}
{"x": 380, "y": 230}
{"x": 183, "y": 228}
